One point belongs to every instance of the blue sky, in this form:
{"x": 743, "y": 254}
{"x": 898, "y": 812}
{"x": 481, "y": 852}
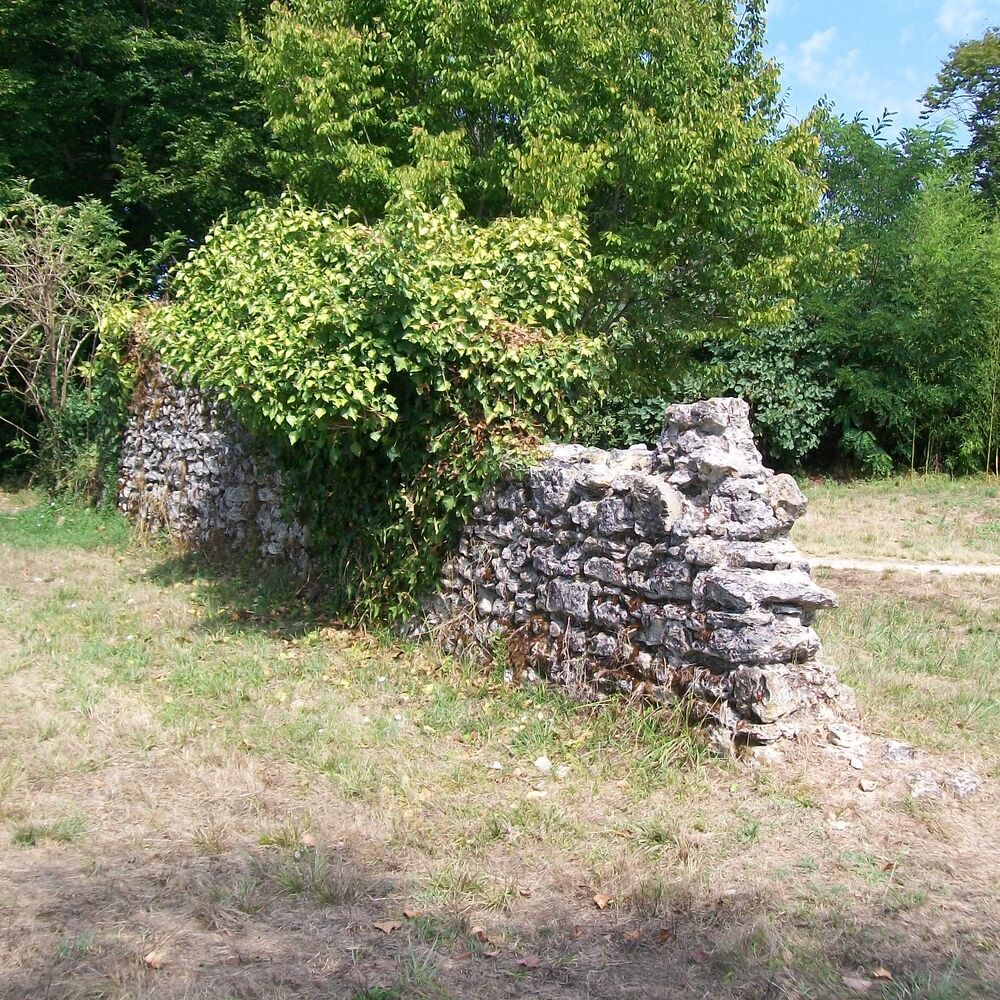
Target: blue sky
{"x": 866, "y": 55}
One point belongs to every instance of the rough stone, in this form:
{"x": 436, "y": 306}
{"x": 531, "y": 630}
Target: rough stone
{"x": 666, "y": 572}
{"x": 189, "y": 468}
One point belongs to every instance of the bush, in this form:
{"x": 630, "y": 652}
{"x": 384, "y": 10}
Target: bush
{"x": 395, "y": 369}
{"x": 786, "y": 375}
{"x": 60, "y": 269}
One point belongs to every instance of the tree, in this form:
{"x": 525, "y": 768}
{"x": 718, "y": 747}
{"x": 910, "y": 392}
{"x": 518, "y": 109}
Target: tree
{"x": 908, "y": 330}
{"x": 658, "y": 121}
{"x": 140, "y": 103}
{"x": 58, "y": 268}
{"x": 968, "y": 86}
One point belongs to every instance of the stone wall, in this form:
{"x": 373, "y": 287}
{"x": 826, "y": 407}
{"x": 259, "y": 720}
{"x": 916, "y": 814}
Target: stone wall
{"x": 663, "y": 572}
{"x": 189, "y": 468}
{"x": 667, "y": 572}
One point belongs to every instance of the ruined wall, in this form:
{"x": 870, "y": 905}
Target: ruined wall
{"x": 188, "y": 467}
{"x": 665, "y": 571}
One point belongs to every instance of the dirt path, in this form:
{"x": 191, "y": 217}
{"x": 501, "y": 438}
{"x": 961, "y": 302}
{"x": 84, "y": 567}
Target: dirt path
{"x": 905, "y": 566}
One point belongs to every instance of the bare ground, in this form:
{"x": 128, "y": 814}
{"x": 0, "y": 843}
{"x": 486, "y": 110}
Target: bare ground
{"x": 166, "y": 835}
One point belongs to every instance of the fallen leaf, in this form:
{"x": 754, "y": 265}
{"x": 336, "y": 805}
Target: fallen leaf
{"x": 412, "y": 914}
{"x": 530, "y": 962}
{"x": 479, "y": 934}
{"x": 524, "y": 891}
{"x": 881, "y": 973}
{"x": 307, "y": 840}
{"x": 889, "y": 866}
{"x": 576, "y": 932}
{"x": 490, "y": 954}
{"x": 699, "y": 956}
{"x": 601, "y": 900}
{"x": 633, "y": 935}
{"x": 858, "y": 985}
{"x": 666, "y": 935}
{"x": 387, "y": 926}
{"x": 155, "y": 959}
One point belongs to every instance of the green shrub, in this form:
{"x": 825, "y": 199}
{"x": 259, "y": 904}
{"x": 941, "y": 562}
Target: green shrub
{"x": 395, "y": 369}
{"x": 786, "y": 376}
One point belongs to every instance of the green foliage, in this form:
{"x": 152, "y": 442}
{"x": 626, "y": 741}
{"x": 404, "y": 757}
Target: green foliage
{"x": 910, "y": 332}
{"x": 968, "y": 86}
{"x": 141, "y": 105}
{"x": 397, "y": 368}
{"x": 658, "y": 121}
{"x": 60, "y": 268}
{"x": 787, "y": 377}
{"x": 785, "y": 374}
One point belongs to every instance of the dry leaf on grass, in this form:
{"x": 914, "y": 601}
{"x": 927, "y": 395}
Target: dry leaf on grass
{"x": 412, "y": 914}
{"x": 633, "y": 935}
{"x": 666, "y": 934}
{"x": 530, "y": 962}
{"x": 700, "y": 956}
{"x": 602, "y": 901}
{"x": 882, "y": 973}
{"x": 154, "y": 960}
{"x": 387, "y": 926}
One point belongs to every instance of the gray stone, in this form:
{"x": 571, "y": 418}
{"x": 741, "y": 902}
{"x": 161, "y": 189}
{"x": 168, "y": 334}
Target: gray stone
{"x": 569, "y": 598}
{"x": 741, "y": 589}
{"x": 614, "y": 519}
{"x": 606, "y": 570}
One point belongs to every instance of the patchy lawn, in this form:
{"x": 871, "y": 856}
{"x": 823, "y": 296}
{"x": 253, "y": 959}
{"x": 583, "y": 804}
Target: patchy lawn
{"x": 924, "y": 518}
{"x": 205, "y": 792}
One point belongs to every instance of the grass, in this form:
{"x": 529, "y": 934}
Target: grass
{"x": 38, "y": 523}
{"x": 196, "y": 765}
{"x": 922, "y": 655}
{"x": 924, "y": 518}
{"x": 59, "y": 831}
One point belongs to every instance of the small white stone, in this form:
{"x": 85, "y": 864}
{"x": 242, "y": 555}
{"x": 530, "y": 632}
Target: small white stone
{"x": 494, "y": 765}
{"x": 857, "y": 764}
{"x": 543, "y": 764}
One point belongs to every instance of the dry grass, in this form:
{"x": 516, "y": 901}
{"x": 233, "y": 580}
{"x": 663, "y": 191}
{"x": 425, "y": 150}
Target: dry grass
{"x": 923, "y": 654}
{"x": 925, "y": 518}
{"x": 246, "y": 792}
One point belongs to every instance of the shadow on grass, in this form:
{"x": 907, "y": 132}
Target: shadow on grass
{"x": 241, "y": 595}
{"x": 182, "y": 919}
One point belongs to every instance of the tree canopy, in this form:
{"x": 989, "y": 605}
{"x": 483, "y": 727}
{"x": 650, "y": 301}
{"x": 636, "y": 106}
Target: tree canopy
{"x": 968, "y": 86}
{"x": 140, "y": 103}
{"x": 659, "y": 121}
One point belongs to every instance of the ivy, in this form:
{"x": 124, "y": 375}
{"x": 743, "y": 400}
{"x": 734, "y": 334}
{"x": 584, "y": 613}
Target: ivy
{"x": 396, "y": 368}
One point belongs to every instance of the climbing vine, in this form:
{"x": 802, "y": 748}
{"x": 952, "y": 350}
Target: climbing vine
{"x": 395, "y": 368}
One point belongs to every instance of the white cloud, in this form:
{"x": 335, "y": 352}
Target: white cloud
{"x": 809, "y": 62}
{"x": 816, "y": 66}
{"x": 961, "y": 17}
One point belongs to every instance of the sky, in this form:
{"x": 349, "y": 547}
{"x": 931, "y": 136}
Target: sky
{"x": 866, "y": 55}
